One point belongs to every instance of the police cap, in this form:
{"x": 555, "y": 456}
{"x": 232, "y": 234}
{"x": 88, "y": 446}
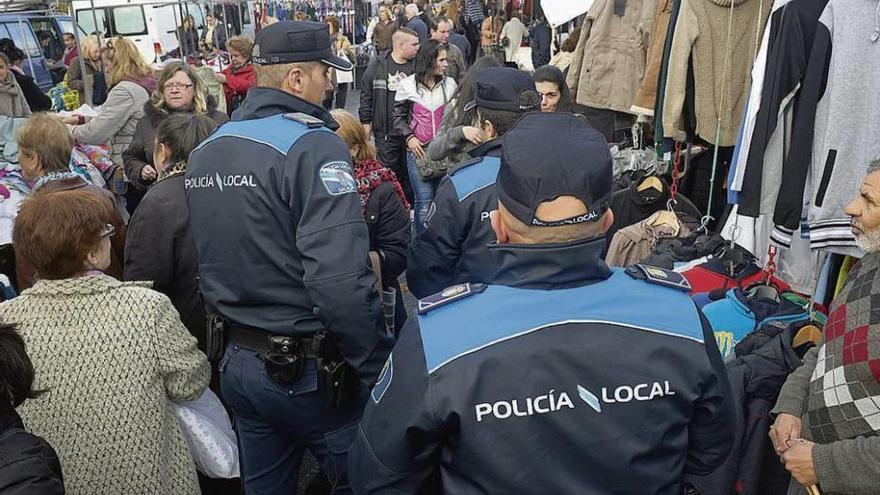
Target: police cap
{"x": 500, "y": 88}
{"x": 552, "y": 154}
{"x": 288, "y": 42}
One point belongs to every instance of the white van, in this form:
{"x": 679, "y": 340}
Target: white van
{"x": 150, "y": 25}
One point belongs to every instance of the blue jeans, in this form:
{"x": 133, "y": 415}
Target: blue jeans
{"x": 276, "y": 423}
{"x": 423, "y": 192}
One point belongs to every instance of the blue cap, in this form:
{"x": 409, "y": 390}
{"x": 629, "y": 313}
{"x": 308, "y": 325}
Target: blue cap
{"x": 552, "y": 154}
{"x": 288, "y": 42}
{"x": 500, "y": 88}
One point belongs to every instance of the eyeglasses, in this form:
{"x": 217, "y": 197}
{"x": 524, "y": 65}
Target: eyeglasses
{"x": 178, "y": 86}
{"x": 107, "y": 231}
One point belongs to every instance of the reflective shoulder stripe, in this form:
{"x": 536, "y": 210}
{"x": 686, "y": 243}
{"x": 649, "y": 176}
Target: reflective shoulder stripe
{"x": 475, "y": 175}
{"x": 275, "y": 132}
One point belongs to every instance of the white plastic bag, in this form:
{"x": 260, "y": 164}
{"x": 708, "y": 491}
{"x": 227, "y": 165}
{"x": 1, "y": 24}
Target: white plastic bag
{"x": 208, "y": 433}
{"x": 343, "y": 77}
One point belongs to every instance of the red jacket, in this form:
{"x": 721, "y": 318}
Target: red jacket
{"x": 238, "y": 82}
{"x": 69, "y": 56}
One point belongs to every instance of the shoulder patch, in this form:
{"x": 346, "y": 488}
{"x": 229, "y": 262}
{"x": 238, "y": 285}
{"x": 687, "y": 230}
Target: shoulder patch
{"x": 338, "y": 178}
{"x": 475, "y": 175}
{"x": 659, "y": 276}
{"x": 448, "y": 295}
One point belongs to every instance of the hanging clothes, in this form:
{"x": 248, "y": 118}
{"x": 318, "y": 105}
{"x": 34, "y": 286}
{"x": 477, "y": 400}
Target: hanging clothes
{"x": 609, "y": 62}
{"x": 747, "y": 127}
{"x": 647, "y": 93}
{"x": 836, "y": 127}
{"x": 634, "y": 244}
{"x": 701, "y": 34}
{"x": 631, "y": 206}
{"x": 659, "y": 117}
{"x": 787, "y": 62}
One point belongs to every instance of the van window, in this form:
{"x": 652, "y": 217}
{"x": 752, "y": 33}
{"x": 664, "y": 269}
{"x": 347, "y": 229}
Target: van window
{"x": 86, "y": 20}
{"x": 24, "y": 38}
{"x": 129, "y": 20}
{"x": 45, "y": 29}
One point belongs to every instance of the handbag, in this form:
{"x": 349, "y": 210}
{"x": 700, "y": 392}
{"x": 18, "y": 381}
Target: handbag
{"x": 344, "y": 76}
{"x": 208, "y": 433}
{"x": 433, "y": 169}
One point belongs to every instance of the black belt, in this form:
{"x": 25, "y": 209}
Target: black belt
{"x": 258, "y": 340}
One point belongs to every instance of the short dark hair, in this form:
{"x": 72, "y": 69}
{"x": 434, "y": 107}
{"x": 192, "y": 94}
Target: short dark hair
{"x": 182, "y": 132}
{"x": 16, "y": 369}
{"x": 435, "y": 22}
{"x": 502, "y": 120}
{"x": 56, "y": 230}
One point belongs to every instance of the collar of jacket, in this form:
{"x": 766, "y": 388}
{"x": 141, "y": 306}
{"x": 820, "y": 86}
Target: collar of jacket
{"x": 550, "y": 266}
{"x": 489, "y": 148}
{"x": 88, "y": 284}
{"x": 267, "y": 102}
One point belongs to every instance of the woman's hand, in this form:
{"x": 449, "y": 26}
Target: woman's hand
{"x": 473, "y": 134}
{"x": 72, "y": 120}
{"x": 220, "y": 77}
{"x": 148, "y": 173}
{"x": 415, "y": 147}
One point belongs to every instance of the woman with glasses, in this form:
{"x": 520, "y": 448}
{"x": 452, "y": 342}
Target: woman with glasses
{"x": 112, "y": 356}
{"x": 159, "y": 247}
{"x": 180, "y": 90}
{"x": 44, "y": 146}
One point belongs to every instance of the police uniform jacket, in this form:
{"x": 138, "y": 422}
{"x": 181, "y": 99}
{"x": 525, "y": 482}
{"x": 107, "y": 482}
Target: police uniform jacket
{"x": 281, "y": 240}
{"x": 566, "y": 377}
{"x": 452, "y": 249}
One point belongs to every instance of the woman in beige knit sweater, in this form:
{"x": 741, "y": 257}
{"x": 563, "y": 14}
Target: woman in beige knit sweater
{"x": 111, "y": 356}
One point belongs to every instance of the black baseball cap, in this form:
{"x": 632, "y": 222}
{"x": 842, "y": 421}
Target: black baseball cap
{"x": 552, "y": 154}
{"x": 499, "y": 88}
{"x": 297, "y": 41}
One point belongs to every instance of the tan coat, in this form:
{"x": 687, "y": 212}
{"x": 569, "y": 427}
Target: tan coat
{"x": 117, "y": 120}
{"x": 609, "y": 62}
{"x": 647, "y": 94}
{"x": 112, "y": 356}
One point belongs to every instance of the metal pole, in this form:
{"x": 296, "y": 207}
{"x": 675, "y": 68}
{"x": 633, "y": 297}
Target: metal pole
{"x": 81, "y": 56}
{"x": 27, "y": 49}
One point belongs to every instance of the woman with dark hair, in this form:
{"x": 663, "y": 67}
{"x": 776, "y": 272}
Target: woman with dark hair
{"x": 458, "y": 134}
{"x": 12, "y": 100}
{"x": 159, "y": 246}
{"x": 420, "y": 101}
{"x": 188, "y": 37}
{"x": 28, "y": 464}
{"x": 180, "y": 90}
{"x": 550, "y": 83}
{"x": 113, "y": 355}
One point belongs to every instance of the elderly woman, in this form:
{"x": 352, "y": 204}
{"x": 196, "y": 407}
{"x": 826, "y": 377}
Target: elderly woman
{"x": 341, "y": 44}
{"x": 384, "y": 30}
{"x": 79, "y": 80}
{"x": 12, "y": 100}
{"x": 239, "y": 77}
{"x": 112, "y": 356}
{"x": 44, "y": 146}
{"x": 180, "y": 90}
{"x": 160, "y": 246}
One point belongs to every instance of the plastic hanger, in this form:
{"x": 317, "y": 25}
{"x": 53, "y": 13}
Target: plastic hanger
{"x": 650, "y": 182}
{"x": 810, "y": 334}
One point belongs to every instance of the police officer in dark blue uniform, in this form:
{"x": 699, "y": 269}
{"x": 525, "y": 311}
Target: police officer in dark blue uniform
{"x": 563, "y": 377}
{"x": 283, "y": 250}
{"x": 452, "y": 249}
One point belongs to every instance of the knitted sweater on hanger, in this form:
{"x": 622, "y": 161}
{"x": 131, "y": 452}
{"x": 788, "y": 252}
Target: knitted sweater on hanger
{"x": 702, "y": 33}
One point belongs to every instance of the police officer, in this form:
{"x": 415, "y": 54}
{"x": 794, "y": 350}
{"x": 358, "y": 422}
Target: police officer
{"x": 283, "y": 250}
{"x": 566, "y": 376}
{"x": 452, "y": 249}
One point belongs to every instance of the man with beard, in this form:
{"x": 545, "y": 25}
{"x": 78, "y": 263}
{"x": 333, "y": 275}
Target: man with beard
{"x": 828, "y": 412}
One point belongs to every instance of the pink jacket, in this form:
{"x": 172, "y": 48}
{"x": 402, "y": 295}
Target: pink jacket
{"x": 426, "y": 113}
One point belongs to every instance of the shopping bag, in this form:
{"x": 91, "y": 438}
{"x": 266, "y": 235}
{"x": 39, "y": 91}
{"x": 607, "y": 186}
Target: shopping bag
{"x": 343, "y": 77}
{"x": 208, "y": 433}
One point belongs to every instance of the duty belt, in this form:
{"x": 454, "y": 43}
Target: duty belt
{"x": 258, "y": 340}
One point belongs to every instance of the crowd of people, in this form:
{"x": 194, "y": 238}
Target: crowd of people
{"x": 270, "y": 253}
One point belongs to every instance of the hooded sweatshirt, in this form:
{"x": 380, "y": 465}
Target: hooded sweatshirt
{"x": 834, "y": 138}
